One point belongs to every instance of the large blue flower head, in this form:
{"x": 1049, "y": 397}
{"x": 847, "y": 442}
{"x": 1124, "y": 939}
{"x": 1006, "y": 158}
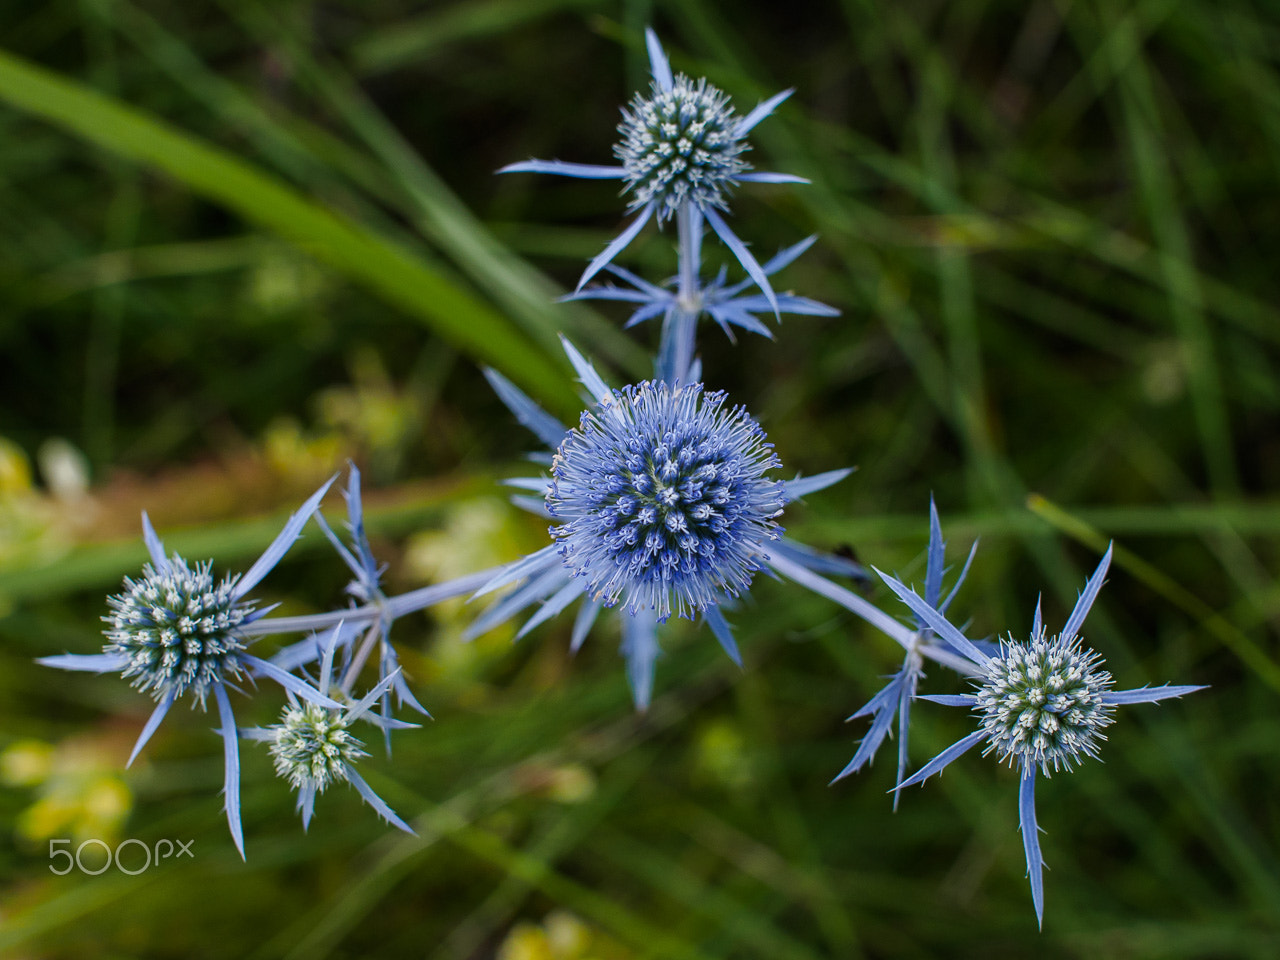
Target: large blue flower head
{"x": 680, "y": 144}
{"x": 664, "y": 505}
{"x": 664, "y": 499}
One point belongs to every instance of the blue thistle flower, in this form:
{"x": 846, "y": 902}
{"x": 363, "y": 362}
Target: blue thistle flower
{"x": 1040, "y": 704}
{"x": 681, "y": 153}
{"x": 177, "y": 631}
{"x": 312, "y": 745}
{"x": 680, "y": 145}
{"x": 894, "y": 699}
{"x": 664, "y": 506}
{"x": 663, "y": 499}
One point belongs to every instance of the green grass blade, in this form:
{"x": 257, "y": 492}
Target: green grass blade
{"x": 261, "y": 199}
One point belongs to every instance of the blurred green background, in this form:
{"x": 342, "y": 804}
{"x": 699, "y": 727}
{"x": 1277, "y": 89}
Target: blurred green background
{"x": 242, "y": 242}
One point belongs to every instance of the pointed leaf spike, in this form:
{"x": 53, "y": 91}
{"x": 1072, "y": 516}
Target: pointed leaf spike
{"x": 950, "y": 699}
{"x": 271, "y": 556}
{"x": 153, "y": 722}
{"x": 583, "y": 623}
{"x": 936, "y": 558}
{"x": 586, "y": 373}
{"x": 761, "y": 111}
{"x": 347, "y": 557}
{"x": 788, "y": 255}
{"x": 87, "y": 662}
{"x": 964, "y": 572}
{"x": 1087, "y": 596}
{"x": 768, "y": 176}
{"x": 938, "y": 763}
{"x": 932, "y": 618}
{"x": 583, "y": 171}
{"x": 904, "y": 716}
{"x": 658, "y": 61}
{"x": 326, "y": 663}
{"x": 640, "y": 649}
{"x": 307, "y": 804}
{"x": 231, "y": 772}
{"x": 886, "y": 704}
{"x": 555, "y": 605}
{"x": 1031, "y": 838}
{"x": 154, "y": 546}
{"x": 723, "y": 632}
{"x": 366, "y": 703}
{"x": 617, "y": 245}
{"x": 1148, "y": 694}
{"x": 375, "y": 801}
{"x": 803, "y": 486}
{"x": 744, "y": 257}
{"x": 527, "y": 413}
{"x": 294, "y": 685}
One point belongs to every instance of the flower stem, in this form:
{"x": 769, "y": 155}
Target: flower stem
{"x": 675, "y": 352}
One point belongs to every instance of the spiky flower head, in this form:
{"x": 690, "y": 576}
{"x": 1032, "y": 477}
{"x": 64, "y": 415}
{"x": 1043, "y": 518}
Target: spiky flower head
{"x": 177, "y": 628}
{"x": 681, "y": 144}
{"x": 663, "y": 498}
{"x": 1043, "y": 702}
{"x": 312, "y": 747}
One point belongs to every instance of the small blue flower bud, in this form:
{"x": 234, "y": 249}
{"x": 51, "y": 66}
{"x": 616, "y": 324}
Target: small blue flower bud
{"x": 681, "y": 144}
{"x": 1043, "y": 702}
{"x": 312, "y": 747}
{"x": 178, "y": 629}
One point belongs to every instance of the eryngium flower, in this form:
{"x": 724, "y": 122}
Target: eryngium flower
{"x": 680, "y": 144}
{"x": 680, "y": 152}
{"x": 663, "y": 499}
{"x": 312, "y": 746}
{"x": 661, "y": 465}
{"x": 1040, "y": 704}
{"x": 1043, "y": 702}
{"x": 177, "y": 629}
